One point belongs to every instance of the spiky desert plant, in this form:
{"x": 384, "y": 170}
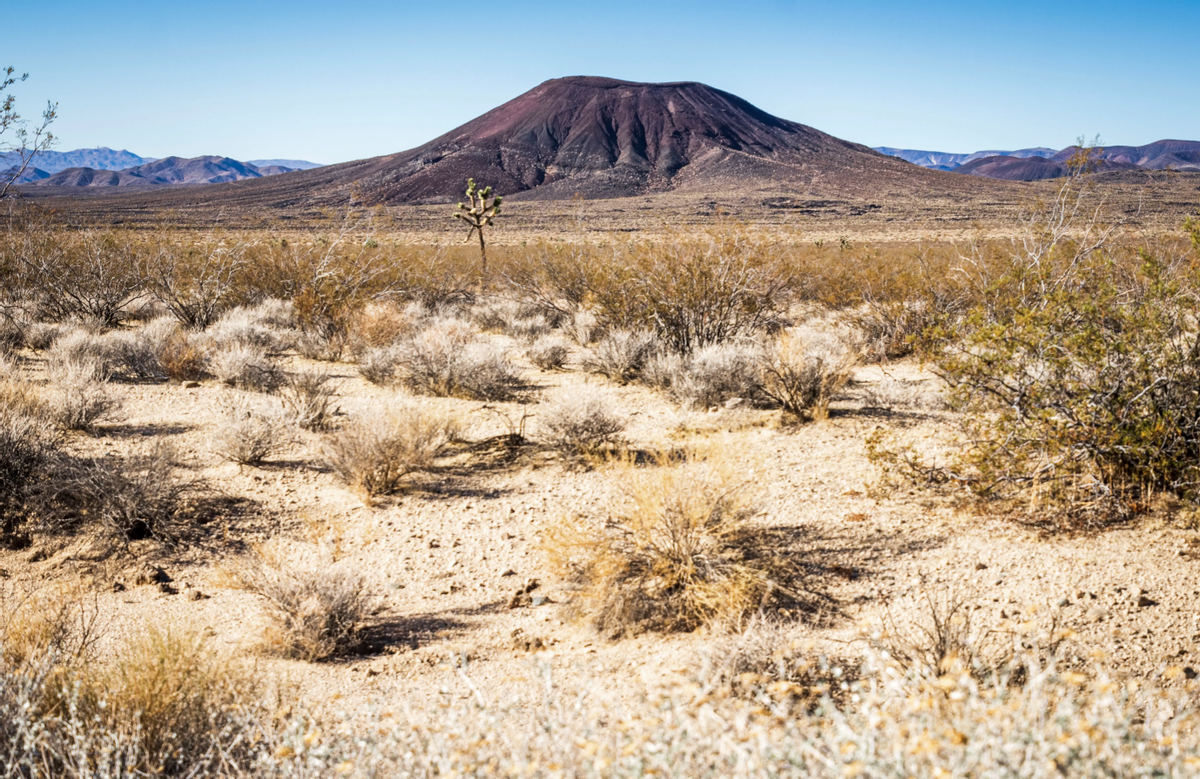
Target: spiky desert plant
{"x": 478, "y": 216}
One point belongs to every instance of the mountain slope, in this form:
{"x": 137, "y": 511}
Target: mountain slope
{"x": 170, "y": 171}
{"x": 101, "y": 158}
{"x": 939, "y": 160}
{"x": 598, "y": 138}
{"x": 289, "y": 164}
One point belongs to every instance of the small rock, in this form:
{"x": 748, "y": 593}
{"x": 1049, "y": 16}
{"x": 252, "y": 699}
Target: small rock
{"x": 190, "y": 384}
{"x": 196, "y": 595}
{"x": 509, "y": 572}
{"x": 525, "y": 643}
{"x": 166, "y": 589}
{"x": 118, "y": 587}
{"x": 1189, "y": 672}
{"x": 520, "y": 600}
{"x": 151, "y": 574}
{"x": 531, "y": 585}
{"x": 980, "y": 566}
{"x": 1145, "y": 602}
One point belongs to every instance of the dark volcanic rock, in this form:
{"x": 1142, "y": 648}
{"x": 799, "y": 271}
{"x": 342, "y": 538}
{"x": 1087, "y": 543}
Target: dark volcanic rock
{"x": 607, "y": 138}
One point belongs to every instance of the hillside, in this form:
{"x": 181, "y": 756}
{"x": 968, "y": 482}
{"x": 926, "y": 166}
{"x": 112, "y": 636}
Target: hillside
{"x": 1041, "y": 163}
{"x": 600, "y": 139}
{"x": 101, "y": 158}
{"x": 940, "y": 160}
{"x": 171, "y": 171}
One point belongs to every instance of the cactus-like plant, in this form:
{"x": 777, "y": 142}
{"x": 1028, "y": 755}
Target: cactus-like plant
{"x": 479, "y": 215}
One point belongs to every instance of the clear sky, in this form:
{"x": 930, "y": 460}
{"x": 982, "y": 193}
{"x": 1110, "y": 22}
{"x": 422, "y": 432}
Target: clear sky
{"x": 333, "y": 81}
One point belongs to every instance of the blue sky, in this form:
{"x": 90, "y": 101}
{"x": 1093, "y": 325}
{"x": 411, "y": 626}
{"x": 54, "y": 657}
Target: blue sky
{"x": 334, "y": 81}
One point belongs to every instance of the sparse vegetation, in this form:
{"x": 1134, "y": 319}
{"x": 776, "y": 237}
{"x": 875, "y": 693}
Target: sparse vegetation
{"x": 677, "y": 554}
{"x": 1068, "y": 356}
{"x": 250, "y": 429}
{"x": 79, "y": 395}
{"x": 583, "y": 421}
{"x": 246, "y": 367}
{"x": 317, "y": 609}
{"x": 621, "y": 354}
{"x": 548, "y": 352}
{"x": 311, "y": 399}
{"x": 376, "y": 454}
{"x": 802, "y": 373}
{"x": 448, "y": 358}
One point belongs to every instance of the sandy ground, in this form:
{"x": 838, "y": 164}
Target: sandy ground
{"x": 448, "y": 556}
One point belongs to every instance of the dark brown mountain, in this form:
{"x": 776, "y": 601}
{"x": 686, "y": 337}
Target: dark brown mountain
{"x": 600, "y": 138}
{"x": 606, "y": 138}
{"x": 1177, "y": 155}
{"x": 1160, "y": 155}
{"x": 169, "y": 171}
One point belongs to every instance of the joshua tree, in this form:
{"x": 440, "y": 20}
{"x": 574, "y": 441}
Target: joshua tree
{"x": 479, "y": 215}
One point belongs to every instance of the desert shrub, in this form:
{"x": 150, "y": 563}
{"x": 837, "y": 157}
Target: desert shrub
{"x": 77, "y": 346}
{"x": 901, "y": 394}
{"x": 246, "y": 367}
{"x": 896, "y": 300}
{"x": 79, "y": 395}
{"x": 662, "y": 369}
{"x": 133, "y": 355}
{"x": 516, "y": 318}
{"x": 621, "y": 354}
{"x": 695, "y": 292}
{"x": 376, "y": 454}
{"x": 167, "y": 705}
{"x": 555, "y": 278}
{"x": 718, "y": 373}
{"x": 28, "y": 441}
{"x": 379, "y": 325}
{"x": 182, "y": 356}
{"x": 1089, "y": 398}
{"x": 40, "y": 336}
{"x": 1076, "y": 369}
{"x": 310, "y": 399}
{"x": 80, "y": 273}
{"x": 583, "y": 327}
{"x": 496, "y": 314}
{"x": 155, "y": 351}
{"x": 548, "y": 352}
{"x": 678, "y": 553}
{"x": 378, "y": 365}
{"x": 12, "y": 334}
{"x": 803, "y": 372}
{"x": 195, "y": 281}
{"x": 324, "y": 346}
{"x": 179, "y": 699}
{"x": 249, "y": 429}
{"x": 580, "y": 420}
{"x": 318, "y": 609}
{"x": 145, "y": 495}
{"x": 257, "y": 326}
{"x": 328, "y": 278}
{"x": 448, "y": 358}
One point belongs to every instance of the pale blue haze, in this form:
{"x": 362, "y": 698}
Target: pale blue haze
{"x": 329, "y": 81}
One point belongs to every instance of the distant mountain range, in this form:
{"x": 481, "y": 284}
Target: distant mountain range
{"x": 940, "y": 160}
{"x": 1042, "y": 163}
{"x": 101, "y": 158}
{"x": 103, "y": 167}
{"x": 289, "y": 164}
